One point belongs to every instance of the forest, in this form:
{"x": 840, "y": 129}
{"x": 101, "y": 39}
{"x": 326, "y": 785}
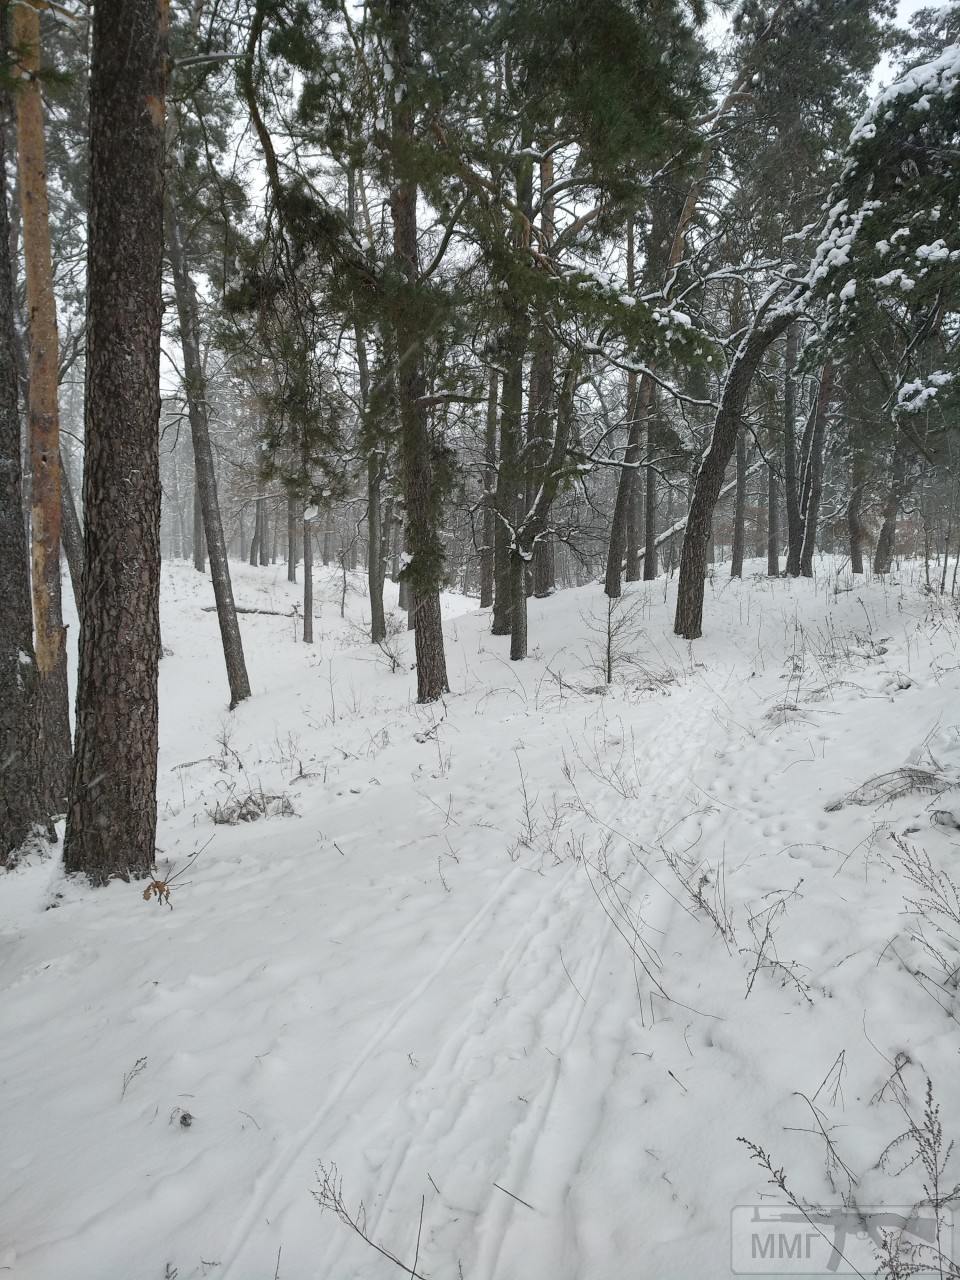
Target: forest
{"x": 479, "y": 630}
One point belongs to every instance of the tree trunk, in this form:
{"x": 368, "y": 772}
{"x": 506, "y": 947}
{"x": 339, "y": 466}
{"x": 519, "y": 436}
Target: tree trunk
{"x": 773, "y": 524}
{"x": 199, "y": 544}
{"x": 194, "y": 380}
{"x": 44, "y": 415}
{"x": 886, "y": 541}
{"x": 693, "y": 556}
{"x": 71, "y": 532}
{"x": 423, "y": 499}
{"x": 489, "y": 485}
{"x": 625, "y": 488}
{"x": 650, "y": 514}
{"x": 111, "y": 822}
{"x": 858, "y": 482}
{"x": 308, "y": 582}
{"x": 375, "y": 564}
{"x": 23, "y": 806}
{"x": 508, "y": 478}
{"x": 292, "y": 522}
{"x": 790, "y": 483}
{"x": 813, "y": 471}
{"x": 739, "y": 508}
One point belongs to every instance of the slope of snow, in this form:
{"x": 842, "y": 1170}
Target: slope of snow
{"x": 518, "y": 969}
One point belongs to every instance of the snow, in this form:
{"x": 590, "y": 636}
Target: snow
{"x": 479, "y": 963}
{"x": 939, "y": 77}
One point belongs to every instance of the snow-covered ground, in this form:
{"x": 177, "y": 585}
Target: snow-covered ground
{"x": 514, "y": 971}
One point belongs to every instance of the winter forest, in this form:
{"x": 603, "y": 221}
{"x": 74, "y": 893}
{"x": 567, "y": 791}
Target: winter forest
{"x": 479, "y": 639}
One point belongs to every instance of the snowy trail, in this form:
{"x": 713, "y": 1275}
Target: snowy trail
{"x": 412, "y": 978}
{"x": 474, "y": 1123}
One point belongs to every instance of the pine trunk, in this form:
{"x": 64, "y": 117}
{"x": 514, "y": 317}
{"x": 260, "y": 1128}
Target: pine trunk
{"x": 886, "y": 541}
{"x": 44, "y": 415}
{"x": 790, "y": 479}
{"x": 739, "y": 508}
{"x": 423, "y": 501}
{"x": 23, "y": 807}
{"x": 858, "y": 481}
{"x": 111, "y": 822}
{"x": 813, "y": 469}
{"x": 195, "y": 386}
{"x": 489, "y": 484}
{"x": 308, "y": 582}
{"x": 773, "y": 524}
{"x": 693, "y": 557}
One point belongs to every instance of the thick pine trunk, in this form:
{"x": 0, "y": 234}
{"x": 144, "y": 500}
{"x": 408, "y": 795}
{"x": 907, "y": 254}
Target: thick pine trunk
{"x": 195, "y": 387}
{"x": 423, "y": 499}
{"x": 44, "y": 415}
{"x": 23, "y": 807}
{"x": 693, "y": 557}
{"x": 111, "y": 822}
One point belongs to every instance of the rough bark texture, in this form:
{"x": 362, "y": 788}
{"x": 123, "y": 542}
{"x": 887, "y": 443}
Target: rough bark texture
{"x": 291, "y": 538}
{"x": 650, "y": 514}
{"x": 739, "y": 508}
{"x": 790, "y": 482}
{"x": 508, "y": 480}
{"x": 490, "y": 480}
{"x": 693, "y": 557}
{"x": 22, "y": 805}
{"x": 308, "y": 582}
{"x": 773, "y": 524}
{"x": 44, "y": 415}
{"x": 416, "y": 459}
{"x": 195, "y": 386}
{"x": 111, "y": 821}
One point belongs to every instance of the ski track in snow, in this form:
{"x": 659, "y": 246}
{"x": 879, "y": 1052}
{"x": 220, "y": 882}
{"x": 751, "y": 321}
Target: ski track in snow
{"x": 395, "y": 983}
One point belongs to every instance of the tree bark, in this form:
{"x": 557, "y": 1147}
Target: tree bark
{"x": 739, "y": 508}
{"x": 650, "y": 514}
{"x": 111, "y": 821}
{"x": 195, "y": 387}
{"x": 71, "y": 532}
{"x": 858, "y": 482}
{"x": 199, "y": 545}
{"x": 292, "y": 505}
{"x": 23, "y": 806}
{"x": 489, "y": 484}
{"x": 886, "y": 541}
{"x": 308, "y": 582}
{"x": 813, "y": 479}
{"x": 790, "y": 483}
{"x": 773, "y": 524}
{"x": 423, "y": 499}
{"x": 693, "y": 557}
{"x": 44, "y": 414}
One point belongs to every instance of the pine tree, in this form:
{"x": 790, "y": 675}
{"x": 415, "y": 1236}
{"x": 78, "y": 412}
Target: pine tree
{"x": 111, "y": 822}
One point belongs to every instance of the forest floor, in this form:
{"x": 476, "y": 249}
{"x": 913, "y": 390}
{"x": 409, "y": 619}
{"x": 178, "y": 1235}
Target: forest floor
{"x": 512, "y": 972}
